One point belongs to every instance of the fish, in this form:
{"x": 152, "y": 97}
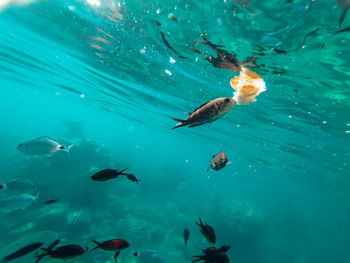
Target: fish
{"x": 111, "y": 245}
{"x": 186, "y": 235}
{"x": 345, "y": 4}
{"x": 19, "y": 185}
{"x": 22, "y": 251}
{"x": 63, "y": 252}
{"x": 206, "y": 113}
{"x": 148, "y": 257}
{"x": 19, "y": 202}
{"x": 73, "y": 217}
{"x": 172, "y": 17}
{"x": 207, "y": 231}
{"x": 42, "y": 146}
{"x": 107, "y": 174}
{"x": 165, "y": 41}
{"x": 213, "y": 255}
{"x": 51, "y": 201}
{"x": 218, "y": 162}
{"x": 133, "y": 178}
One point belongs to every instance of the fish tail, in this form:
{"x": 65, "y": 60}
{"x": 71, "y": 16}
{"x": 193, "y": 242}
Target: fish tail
{"x": 98, "y": 245}
{"x": 39, "y": 257}
{"x": 343, "y": 13}
{"x": 67, "y": 148}
{"x": 182, "y": 122}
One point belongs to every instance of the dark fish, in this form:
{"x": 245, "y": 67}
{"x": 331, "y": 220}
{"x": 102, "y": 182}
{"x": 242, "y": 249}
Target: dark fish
{"x": 186, "y": 235}
{"x": 311, "y": 33}
{"x": 158, "y": 23}
{"x": 206, "y": 113}
{"x": 64, "y": 252}
{"x": 51, "y": 201}
{"x": 141, "y": 229}
{"x": 213, "y": 255}
{"x": 168, "y": 45}
{"x": 345, "y": 4}
{"x": 107, "y": 174}
{"x": 219, "y": 161}
{"x": 132, "y": 178}
{"x": 22, "y": 251}
{"x": 207, "y": 231}
{"x": 111, "y": 245}
{"x": 347, "y": 29}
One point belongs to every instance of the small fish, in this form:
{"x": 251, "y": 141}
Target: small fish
{"x": 111, "y": 245}
{"x": 132, "y": 178}
{"x": 141, "y": 229}
{"x": 207, "y": 231}
{"x": 172, "y": 17}
{"x": 3, "y": 186}
{"x": 107, "y": 174}
{"x": 186, "y": 235}
{"x": 165, "y": 41}
{"x": 42, "y": 146}
{"x": 148, "y": 257}
{"x": 219, "y": 161}
{"x": 15, "y": 203}
{"x": 22, "y": 251}
{"x": 345, "y": 4}
{"x": 63, "y": 252}
{"x": 51, "y": 201}
{"x": 19, "y": 185}
{"x": 206, "y": 113}
{"x": 214, "y": 255}
{"x": 73, "y": 217}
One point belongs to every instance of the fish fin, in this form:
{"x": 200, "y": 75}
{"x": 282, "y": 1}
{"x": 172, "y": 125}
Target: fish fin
{"x": 343, "y": 14}
{"x": 122, "y": 171}
{"x": 39, "y": 257}
{"x": 182, "y": 123}
{"x": 43, "y": 137}
{"x": 208, "y": 168}
{"x": 228, "y": 163}
{"x": 200, "y": 106}
{"x": 116, "y": 256}
{"x": 194, "y": 125}
{"x": 52, "y": 245}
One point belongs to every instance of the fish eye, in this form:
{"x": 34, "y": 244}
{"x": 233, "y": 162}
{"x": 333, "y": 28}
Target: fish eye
{"x": 227, "y": 100}
{"x": 20, "y": 145}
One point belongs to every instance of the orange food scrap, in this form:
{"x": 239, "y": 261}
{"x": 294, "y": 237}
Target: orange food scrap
{"x": 247, "y": 86}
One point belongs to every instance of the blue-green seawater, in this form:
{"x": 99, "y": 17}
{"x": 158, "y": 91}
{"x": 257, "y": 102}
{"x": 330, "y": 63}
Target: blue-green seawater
{"x": 98, "y": 74}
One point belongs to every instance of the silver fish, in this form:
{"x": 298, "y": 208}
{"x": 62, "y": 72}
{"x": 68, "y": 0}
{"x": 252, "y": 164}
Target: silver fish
{"x": 42, "y": 146}
{"x": 207, "y": 112}
{"x": 19, "y": 185}
{"x": 15, "y": 203}
{"x": 345, "y": 4}
{"x": 219, "y": 161}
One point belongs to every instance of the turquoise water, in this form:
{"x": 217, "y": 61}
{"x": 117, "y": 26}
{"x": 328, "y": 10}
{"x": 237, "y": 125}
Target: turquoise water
{"x": 98, "y": 74}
